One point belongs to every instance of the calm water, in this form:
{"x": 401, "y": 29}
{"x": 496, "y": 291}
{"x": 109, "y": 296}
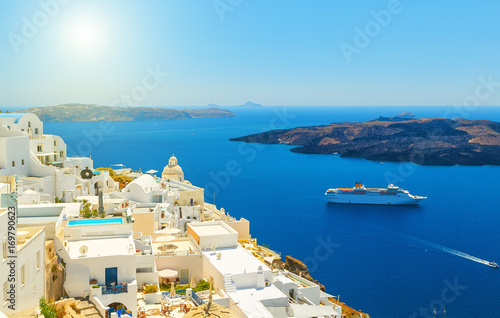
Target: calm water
{"x": 383, "y": 260}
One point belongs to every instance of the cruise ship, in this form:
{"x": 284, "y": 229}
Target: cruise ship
{"x": 392, "y": 195}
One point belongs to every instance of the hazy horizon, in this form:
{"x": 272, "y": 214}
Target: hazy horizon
{"x": 172, "y": 53}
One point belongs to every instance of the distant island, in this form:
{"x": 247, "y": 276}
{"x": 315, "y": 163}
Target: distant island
{"x": 83, "y": 112}
{"x": 427, "y": 141}
{"x": 246, "y": 105}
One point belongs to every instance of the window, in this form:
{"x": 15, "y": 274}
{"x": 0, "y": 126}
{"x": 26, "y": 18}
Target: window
{"x": 23, "y": 278}
{"x": 39, "y": 148}
{"x": 29, "y": 124}
{"x": 38, "y": 260}
{"x": 13, "y": 163}
{"x": 5, "y": 289}
{"x": 61, "y": 154}
{"x": 22, "y": 162}
{"x": 55, "y": 143}
{"x": 36, "y": 131}
{"x": 22, "y": 129}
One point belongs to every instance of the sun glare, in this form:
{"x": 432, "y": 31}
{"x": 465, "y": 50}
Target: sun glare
{"x": 85, "y": 36}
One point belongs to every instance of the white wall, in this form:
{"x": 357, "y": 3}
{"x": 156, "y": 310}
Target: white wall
{"x": 14, "y": 146}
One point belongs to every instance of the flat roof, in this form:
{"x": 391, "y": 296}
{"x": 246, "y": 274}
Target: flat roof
{"x": 203, "y": 229}
{"x": 234, "y": 260}
{"x": 249, "y": 300}
{"x": 101, "y": 247}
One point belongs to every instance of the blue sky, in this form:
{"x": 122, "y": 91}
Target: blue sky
{"x": 283, "y": 52}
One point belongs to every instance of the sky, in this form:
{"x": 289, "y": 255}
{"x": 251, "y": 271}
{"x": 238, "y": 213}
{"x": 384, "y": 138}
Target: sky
{"x": 227, "y": 52}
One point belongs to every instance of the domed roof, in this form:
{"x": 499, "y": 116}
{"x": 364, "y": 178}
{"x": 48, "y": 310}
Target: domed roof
{"x": 172, "y": 167}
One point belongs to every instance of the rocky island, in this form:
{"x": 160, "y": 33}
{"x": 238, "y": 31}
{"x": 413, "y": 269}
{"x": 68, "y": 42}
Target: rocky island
{"x": 426, "y": 141}
{"x": 83, "y": 112}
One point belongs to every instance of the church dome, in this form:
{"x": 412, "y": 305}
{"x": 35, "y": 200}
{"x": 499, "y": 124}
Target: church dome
{"x": 173, "y": 170}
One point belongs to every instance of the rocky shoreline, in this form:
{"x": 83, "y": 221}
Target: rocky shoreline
{"x": 428, "y": 141}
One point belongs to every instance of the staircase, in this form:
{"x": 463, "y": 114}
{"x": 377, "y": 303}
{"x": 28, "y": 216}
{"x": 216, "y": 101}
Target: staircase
{"x": 87, "y": 308}
{"x": 229, "y": 284}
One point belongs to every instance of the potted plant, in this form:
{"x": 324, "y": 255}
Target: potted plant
{"x": 151, "y": 294}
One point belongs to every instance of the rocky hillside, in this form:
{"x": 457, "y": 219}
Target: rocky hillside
{"x": 429, "y": 141}
{"x": 82, "y": 112}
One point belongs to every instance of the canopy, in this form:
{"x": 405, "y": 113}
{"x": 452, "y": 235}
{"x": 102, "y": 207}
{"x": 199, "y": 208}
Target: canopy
{"x": 312, "y": 311}
{"x": 163, "y": 239}
{"x": 168, "y": 273}
{"x": 152, "y": 171}
{"x": 170, "y": 231}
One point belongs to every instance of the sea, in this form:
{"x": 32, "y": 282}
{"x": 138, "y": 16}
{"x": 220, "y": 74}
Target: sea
{"x": 388, "y": 261}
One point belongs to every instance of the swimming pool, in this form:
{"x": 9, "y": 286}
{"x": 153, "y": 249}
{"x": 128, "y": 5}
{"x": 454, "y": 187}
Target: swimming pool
{"x": 95, "y": 222}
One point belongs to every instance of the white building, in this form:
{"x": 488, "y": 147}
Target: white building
{"x": 253, "y": 289}
{"x": 29, "y": 261}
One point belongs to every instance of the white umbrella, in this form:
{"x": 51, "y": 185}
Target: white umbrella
{"x": 152, "y": 171}
{"x": 193, "y": 282}
{"x": 168, "y": 273}
{"x": 170, "y": 231}
{"x": 164, "y": 239}
{"x": 172, "y": 289}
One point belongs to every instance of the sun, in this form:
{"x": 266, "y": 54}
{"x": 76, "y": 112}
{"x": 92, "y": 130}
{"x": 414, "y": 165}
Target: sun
{"x": 85, "y": 36}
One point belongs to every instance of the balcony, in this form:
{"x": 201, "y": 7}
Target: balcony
{"x": 118, "y": 289}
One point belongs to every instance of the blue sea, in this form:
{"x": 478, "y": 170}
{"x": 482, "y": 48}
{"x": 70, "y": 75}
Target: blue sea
{"x": 390, "y": 262}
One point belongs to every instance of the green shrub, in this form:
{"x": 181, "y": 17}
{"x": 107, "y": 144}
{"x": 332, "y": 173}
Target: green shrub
{"x": 150, "y": 289}
{"x": 48, "y": 310}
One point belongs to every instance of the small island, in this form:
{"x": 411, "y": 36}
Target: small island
{"x": 84, "y": 112}
{"x": 403, "y": 138}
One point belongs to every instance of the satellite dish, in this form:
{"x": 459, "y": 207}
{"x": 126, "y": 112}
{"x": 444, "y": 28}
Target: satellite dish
{"x": 86, "y": 174}
{"x": 219, "y": 255}
{"x": 84, "y": 249}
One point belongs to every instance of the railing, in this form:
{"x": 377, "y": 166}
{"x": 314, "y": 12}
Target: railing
{"x": 119, "y": 289}
{"x": 197, "y": 300}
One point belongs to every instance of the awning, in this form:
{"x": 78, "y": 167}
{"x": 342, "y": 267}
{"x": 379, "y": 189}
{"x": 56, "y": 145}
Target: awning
{"x": 305, "y": 311}
{"x": 46, "y": 153}
{"x": 168, "y": 273}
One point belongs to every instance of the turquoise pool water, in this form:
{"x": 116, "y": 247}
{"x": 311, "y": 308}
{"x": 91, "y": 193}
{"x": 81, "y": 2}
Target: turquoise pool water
{"x": 95, "y": 222}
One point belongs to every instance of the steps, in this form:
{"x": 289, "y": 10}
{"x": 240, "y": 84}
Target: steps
{"x": 87, "y": 308}
{"x": 229, "y": 284}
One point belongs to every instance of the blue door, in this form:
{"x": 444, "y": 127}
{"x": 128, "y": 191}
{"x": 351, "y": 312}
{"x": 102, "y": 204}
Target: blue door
{"x": 111, "y": 276}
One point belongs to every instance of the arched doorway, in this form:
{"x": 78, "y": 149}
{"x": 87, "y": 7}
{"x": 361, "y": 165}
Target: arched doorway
{"x": 119, "y": 308}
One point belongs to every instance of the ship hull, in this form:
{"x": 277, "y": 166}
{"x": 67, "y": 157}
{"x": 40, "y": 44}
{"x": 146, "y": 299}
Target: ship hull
{"x": 376, "y": 199}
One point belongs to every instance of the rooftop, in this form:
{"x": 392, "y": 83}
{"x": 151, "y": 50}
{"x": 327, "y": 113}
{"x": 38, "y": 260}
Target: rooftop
{"x": 102, "y": 247}
{"x": 234, "y": 260}
{"x": 211, "y": 229}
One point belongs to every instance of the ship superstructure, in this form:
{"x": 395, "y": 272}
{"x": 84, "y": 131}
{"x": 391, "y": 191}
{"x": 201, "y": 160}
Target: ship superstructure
{"x": 359, "y": 194}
